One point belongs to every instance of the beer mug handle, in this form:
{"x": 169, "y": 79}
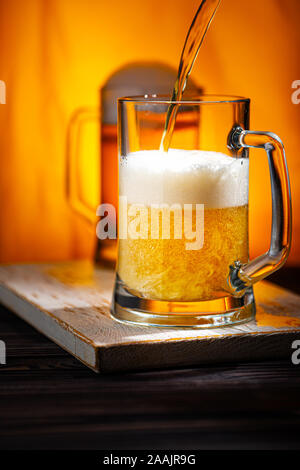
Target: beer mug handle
{"x": 79, "y": 119}
{"x": 241, "y": 275}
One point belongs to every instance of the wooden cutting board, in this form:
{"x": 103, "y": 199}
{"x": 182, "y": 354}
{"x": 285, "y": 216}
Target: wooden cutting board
{"x": 69, "y": 303}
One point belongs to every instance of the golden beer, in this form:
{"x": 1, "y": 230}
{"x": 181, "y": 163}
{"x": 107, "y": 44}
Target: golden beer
{"x": 160, "y": 268}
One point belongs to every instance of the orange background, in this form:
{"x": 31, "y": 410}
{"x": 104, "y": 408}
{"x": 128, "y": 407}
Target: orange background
{"x": 54, "y": 56}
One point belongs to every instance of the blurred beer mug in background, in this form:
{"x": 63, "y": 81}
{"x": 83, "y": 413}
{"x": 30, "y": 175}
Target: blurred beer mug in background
{"x": 101, "y": 161}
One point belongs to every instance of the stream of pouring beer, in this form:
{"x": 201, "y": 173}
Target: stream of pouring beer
{"x": 193, "y": 41}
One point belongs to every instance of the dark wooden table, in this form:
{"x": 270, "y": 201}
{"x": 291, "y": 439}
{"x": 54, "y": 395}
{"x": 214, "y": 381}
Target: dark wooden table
{"x": 48, "y": 400}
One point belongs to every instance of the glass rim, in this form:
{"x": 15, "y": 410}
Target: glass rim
{"x": 189, "y": 99}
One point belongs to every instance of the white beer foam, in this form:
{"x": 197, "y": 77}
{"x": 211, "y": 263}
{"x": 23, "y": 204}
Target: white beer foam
{"x": 184, "y": 177}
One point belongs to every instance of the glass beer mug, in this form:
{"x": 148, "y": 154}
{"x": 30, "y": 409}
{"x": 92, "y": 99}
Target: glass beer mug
{"x": 183, "y": 214}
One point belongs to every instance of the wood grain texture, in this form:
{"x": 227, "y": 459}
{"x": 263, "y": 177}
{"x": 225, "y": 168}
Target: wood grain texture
{"x": 49, "y": 400}
{"x": 69, "y": 303}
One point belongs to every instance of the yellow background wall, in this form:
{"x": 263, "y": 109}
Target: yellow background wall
{"x": 54, "y": 56}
